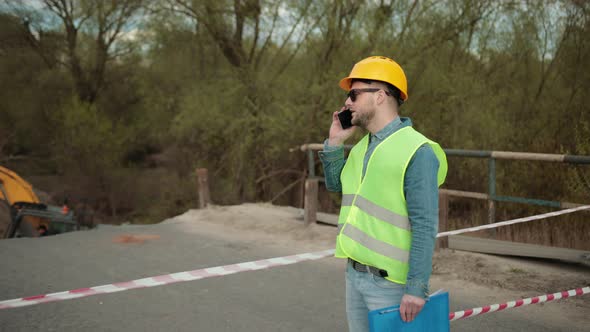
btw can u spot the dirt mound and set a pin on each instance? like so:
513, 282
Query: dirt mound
257, 222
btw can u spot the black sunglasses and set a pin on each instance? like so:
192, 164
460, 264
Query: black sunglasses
353, 93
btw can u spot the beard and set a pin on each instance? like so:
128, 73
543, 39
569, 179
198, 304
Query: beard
363, 119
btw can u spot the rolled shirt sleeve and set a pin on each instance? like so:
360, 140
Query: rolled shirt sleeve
332, 158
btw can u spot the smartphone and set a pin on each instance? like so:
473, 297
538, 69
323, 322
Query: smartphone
345, 118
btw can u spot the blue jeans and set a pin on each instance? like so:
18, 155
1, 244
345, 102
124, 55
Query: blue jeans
366, 292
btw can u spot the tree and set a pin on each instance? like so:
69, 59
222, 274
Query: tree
89, 32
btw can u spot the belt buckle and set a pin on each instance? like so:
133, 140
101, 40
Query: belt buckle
361, 267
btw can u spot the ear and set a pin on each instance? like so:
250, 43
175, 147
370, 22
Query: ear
381, 97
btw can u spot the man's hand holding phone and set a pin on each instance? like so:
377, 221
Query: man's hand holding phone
341, 128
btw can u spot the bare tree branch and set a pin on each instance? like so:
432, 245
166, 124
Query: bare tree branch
293, 28
545, 74
407, 21
36, 45
256, 34
268, 38
297, 47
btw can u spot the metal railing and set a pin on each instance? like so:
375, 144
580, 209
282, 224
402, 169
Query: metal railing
491, 196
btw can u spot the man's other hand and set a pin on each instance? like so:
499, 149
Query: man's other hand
410, 307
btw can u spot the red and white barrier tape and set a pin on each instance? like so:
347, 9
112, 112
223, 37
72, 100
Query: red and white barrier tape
166, 279
227, 269
513, 221
518, 303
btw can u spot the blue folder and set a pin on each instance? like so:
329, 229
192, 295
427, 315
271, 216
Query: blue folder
434, 317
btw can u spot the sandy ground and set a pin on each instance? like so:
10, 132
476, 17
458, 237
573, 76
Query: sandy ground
485, 279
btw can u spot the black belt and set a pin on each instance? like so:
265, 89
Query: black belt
366, 268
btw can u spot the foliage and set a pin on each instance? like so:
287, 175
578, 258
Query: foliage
85, 139
118, 87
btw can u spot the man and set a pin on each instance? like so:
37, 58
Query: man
389, 215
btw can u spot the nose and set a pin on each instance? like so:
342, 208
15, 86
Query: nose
348, 101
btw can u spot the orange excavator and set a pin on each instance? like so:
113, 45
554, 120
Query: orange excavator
28, 216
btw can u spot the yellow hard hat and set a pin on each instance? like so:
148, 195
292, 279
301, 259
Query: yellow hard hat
378, 68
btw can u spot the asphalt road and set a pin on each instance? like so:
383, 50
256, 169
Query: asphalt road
307, 296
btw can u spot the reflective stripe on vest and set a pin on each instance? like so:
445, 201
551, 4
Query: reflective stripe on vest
374, 228
377, 211
375, 245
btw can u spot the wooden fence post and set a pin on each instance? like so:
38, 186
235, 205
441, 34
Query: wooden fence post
443, 219
310, 206
203, 187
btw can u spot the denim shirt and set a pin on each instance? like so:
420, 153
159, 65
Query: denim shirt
421, 191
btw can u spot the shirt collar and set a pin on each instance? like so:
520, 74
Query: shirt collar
392, 127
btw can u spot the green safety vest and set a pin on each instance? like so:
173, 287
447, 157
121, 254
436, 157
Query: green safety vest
374, 225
